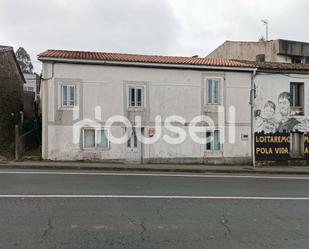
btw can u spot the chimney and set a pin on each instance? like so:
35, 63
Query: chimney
260, 57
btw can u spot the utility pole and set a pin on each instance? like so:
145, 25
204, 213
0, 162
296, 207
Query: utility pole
265, 22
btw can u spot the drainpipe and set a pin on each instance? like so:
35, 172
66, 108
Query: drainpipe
252, 103
44, 109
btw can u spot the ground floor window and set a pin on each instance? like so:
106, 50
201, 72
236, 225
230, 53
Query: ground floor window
213, 140
95, 138
296, 144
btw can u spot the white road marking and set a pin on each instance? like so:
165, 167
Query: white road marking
161, 197
155, 175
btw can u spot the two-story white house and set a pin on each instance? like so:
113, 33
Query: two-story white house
91, 100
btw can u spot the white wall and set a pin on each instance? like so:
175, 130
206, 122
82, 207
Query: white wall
268, 88
168, 92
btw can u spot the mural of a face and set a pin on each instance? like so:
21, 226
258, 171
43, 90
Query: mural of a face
269, 112
284, 104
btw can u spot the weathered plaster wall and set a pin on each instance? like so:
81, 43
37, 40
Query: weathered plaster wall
268, 88
249, 50
167, 92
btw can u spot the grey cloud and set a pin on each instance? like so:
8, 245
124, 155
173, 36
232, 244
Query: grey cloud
180, 27
117, 26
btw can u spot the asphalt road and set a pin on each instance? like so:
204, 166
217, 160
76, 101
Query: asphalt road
96, 210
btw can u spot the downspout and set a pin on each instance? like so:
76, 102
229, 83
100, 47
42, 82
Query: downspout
252, 103
44, 110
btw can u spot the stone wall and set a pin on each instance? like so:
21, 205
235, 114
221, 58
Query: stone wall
11, 100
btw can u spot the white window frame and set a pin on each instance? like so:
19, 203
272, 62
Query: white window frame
298, 110
300, 92
135, 106
212, 142
96, 130
68, 95
220, 80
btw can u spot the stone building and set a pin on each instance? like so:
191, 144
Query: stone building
279, 50
11, 97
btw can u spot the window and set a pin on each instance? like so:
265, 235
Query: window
95, 138
89, 138
68, 95
296, 59
29, 88
213, 140
135, 97
213, 91
102, 139
297, 98
297, 145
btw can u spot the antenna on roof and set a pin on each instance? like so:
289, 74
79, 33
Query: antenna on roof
265, 22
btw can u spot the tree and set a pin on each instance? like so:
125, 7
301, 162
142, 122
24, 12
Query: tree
262, 39
24, 60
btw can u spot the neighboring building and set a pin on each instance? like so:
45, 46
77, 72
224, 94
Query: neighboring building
31, 90
11, 97
281, 113
82, 90
32, 83
280, 50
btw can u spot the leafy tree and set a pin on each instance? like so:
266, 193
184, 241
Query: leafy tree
24, 60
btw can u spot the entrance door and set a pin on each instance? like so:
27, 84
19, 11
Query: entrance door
134, 147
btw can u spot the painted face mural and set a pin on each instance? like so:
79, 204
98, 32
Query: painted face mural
286, 123
266, 120
276, 119
284, 104
267, 123
269, 110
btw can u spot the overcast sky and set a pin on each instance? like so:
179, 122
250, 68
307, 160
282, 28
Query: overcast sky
167, 27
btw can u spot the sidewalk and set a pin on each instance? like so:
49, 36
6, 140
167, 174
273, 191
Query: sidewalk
154, 167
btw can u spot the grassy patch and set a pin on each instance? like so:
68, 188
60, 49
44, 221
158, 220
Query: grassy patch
32, 154
7, 155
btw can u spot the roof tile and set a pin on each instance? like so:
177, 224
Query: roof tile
278, 66
157, 59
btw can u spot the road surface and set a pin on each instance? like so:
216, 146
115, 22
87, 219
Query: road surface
77, 209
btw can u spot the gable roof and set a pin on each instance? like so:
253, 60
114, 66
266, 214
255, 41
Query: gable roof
4, 49
85, 56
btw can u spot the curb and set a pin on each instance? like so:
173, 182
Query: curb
154, 169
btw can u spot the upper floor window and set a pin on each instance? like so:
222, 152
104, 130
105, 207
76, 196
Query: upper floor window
68, 93
213, 140
136, 97
213, 91
297, 98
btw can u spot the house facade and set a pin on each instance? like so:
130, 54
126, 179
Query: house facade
281, 112
153, 104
